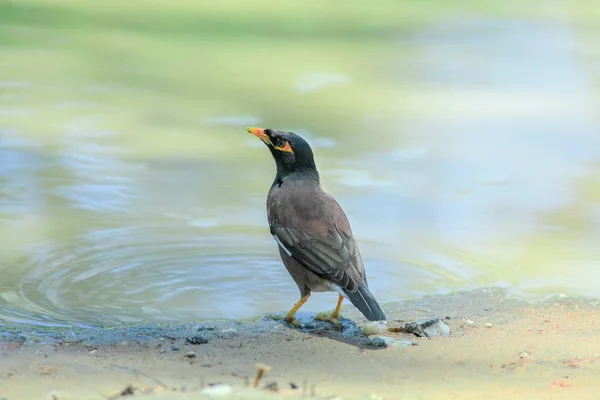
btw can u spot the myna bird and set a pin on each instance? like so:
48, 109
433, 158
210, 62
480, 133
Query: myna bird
312, 231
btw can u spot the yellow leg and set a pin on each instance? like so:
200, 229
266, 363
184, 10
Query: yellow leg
336, 313
289, 317
333, 317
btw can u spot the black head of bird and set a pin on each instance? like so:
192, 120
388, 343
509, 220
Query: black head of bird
312, 231
291, 152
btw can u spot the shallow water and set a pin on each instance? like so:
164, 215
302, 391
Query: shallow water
466, 153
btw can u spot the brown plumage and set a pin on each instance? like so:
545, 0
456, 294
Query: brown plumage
314, 236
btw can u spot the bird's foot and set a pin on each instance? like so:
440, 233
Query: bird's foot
293, 321
327, 317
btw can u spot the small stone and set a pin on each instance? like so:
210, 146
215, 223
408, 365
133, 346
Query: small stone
228, 333
384, 341
199, 339
217, 390
372, 328
488, 325
190, 354
93, 351
128, 391
429, 328
562, 382
174, 348
206, 328
469, 321
53, 395
271, 387
523, 354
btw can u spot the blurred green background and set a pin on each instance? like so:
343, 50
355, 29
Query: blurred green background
461, 137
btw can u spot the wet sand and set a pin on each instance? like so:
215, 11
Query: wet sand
498, 348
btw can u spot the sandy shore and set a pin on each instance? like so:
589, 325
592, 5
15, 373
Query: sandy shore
498, 348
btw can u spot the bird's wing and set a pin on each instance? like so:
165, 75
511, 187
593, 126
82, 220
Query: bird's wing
333, 256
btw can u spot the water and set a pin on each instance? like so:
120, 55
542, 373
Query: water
465, 152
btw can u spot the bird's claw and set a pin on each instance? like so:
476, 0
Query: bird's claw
294, 322
327, 317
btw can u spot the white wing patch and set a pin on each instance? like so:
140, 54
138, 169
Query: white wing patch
289, 253
339, 290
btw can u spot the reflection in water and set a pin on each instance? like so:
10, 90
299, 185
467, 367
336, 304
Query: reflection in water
489, 180
100, 181
523, 137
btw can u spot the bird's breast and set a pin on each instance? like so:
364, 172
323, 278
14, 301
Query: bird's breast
307, 208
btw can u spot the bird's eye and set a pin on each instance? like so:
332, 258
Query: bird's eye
283, 145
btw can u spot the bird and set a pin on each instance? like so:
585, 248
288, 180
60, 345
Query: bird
314, 237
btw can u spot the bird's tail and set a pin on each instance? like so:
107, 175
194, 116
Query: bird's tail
364, 300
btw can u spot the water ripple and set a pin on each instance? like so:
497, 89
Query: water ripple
123, 274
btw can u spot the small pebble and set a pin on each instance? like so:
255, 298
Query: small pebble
53, 395
199, 339
489, 325
468, 321
190, 354
228, 333
206, 328
174, 348
384, 341
128, 391
432, 327
93, 351
373, 328
271, 387
217, 390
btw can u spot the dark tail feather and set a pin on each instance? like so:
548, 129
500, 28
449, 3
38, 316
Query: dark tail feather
365, 302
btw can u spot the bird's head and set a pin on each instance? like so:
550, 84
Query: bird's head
291, 152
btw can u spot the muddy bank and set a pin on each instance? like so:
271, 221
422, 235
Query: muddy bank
497, 348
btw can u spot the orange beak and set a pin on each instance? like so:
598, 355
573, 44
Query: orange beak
260, 133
